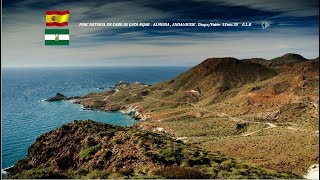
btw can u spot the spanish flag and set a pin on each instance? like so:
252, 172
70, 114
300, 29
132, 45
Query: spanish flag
57, 18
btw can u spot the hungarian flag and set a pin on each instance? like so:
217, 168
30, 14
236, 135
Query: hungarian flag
57, 18
56, 36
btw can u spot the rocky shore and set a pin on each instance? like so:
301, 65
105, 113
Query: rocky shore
60, 97
133, 111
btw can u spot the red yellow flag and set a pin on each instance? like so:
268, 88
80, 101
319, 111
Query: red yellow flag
57, 18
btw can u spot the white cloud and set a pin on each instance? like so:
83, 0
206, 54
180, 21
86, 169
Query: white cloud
191, 50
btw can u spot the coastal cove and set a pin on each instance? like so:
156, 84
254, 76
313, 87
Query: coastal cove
26, 116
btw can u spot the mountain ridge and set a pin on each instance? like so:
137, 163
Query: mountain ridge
289, 58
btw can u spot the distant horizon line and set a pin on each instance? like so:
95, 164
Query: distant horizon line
126, 66
35, 67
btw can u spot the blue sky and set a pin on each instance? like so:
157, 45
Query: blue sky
294, 28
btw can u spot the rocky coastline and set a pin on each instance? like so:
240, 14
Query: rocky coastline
134, 111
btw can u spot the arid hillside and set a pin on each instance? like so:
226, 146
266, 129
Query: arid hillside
264, 112
90, 150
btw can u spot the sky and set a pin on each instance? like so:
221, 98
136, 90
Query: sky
294, 28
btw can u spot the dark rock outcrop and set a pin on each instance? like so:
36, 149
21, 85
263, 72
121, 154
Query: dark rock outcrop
58, 97
120, 85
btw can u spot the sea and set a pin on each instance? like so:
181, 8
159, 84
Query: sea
25, 114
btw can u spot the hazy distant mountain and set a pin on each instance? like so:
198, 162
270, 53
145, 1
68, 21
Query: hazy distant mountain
288, 58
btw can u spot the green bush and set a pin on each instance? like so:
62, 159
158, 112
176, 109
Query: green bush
172, 155
199, 161
214, 164
154, 156
227, 165
185, 164
212, 171
97, 174
224, 174
127, 172
115, 176
89, 151
82, 172
201, 158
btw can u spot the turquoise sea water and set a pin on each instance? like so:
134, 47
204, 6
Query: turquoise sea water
25, 115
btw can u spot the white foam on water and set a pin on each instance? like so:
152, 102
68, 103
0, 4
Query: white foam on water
3, 171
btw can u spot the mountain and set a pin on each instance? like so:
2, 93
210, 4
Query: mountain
264, 114
88, 149
261, 61
223, 73
289, 58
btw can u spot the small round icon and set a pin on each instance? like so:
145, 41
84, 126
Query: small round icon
265, 24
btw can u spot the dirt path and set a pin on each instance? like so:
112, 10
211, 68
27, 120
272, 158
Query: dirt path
234, 119
269, 124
